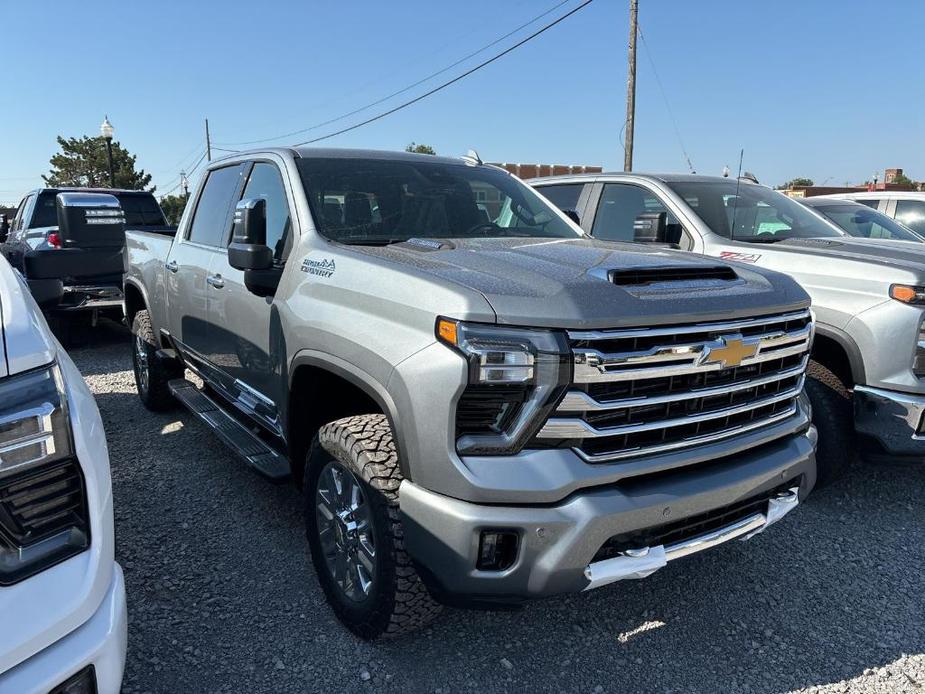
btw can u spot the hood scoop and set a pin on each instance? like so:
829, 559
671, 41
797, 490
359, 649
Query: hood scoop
638, 277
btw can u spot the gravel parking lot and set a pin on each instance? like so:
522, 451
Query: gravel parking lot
222, 597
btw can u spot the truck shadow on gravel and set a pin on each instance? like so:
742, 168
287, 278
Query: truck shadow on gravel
222, 596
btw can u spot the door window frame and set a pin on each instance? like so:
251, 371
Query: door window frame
185, 233
688, 235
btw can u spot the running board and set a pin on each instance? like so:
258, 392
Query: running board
235, 435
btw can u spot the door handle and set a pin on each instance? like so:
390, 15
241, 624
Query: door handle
172, 266
215, 281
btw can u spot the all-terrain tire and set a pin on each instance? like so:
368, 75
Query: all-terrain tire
834, 420
152, 374
398, 601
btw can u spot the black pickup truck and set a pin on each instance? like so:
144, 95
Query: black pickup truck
76, 269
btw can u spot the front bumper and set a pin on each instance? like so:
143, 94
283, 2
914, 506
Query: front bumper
558, 543
894, 419
100, 641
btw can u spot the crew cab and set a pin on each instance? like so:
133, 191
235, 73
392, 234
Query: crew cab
481, 406
72, 263
62, 595
868, 294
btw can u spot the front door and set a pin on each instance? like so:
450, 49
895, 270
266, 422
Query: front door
248, 348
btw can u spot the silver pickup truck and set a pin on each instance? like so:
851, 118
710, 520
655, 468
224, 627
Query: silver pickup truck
868, 294
481, 403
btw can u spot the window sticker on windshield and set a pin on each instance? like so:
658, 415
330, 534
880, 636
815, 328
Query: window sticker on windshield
740, 257
323, 267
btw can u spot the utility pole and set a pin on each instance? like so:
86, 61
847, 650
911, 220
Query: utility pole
631, 89
209, 141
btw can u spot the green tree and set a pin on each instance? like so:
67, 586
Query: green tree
798, 182
84, 162
903, 180
420, 149
173, 206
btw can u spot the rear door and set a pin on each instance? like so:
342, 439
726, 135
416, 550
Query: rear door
242, 342
188, 265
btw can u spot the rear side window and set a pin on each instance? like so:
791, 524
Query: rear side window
212, 218
564, 196
912, 214
45, 214
265, 182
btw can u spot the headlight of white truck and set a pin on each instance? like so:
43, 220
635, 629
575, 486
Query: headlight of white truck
44, 516
34, 424
516, 376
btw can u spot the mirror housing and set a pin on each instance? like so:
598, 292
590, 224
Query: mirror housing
651, 227
91, 220
572, 214
4, 228
248, 249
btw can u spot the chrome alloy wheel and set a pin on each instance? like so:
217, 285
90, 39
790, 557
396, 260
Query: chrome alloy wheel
345, 530
141, 363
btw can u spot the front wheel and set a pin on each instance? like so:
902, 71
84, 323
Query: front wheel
152, 374
834, 420
355, 531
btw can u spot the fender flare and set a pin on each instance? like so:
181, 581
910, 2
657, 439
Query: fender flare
135, 284
847, 343
362, 380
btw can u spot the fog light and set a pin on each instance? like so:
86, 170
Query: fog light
497, 550
84, 682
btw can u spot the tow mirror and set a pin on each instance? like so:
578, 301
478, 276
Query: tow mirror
248, 249
572, 214
4, 228
651, 227
90, 220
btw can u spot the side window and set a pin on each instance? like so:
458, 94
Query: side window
564, 196
618, 208
25, 214
17, 220
212, 218
869, 202
266, 182
912, 214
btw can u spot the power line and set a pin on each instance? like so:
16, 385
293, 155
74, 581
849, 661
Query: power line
661, 88
452, 81
410, 86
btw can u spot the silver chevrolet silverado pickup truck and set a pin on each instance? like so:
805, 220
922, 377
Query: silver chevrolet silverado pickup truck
868, 294
481, 403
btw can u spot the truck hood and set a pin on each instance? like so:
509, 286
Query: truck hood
25, 341
570, 283
908, 255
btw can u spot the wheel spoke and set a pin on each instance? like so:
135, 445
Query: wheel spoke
367, 556
361, 516
364, 579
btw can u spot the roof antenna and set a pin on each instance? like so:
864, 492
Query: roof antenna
473, 157
735, 201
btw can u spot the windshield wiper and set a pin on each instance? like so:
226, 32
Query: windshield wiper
371, 241
761, 239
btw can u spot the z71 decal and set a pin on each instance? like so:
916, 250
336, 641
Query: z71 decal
740, 257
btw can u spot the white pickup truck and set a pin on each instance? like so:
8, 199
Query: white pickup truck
62, 596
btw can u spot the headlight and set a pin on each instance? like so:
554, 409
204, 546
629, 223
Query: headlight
34, 425
516, 377
44, 517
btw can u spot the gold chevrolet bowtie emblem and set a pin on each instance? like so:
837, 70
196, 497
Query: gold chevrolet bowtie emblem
733, 352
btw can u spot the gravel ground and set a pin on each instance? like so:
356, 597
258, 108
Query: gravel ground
222, 597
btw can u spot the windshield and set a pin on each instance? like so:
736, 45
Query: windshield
383, 201
757, 215
861, 221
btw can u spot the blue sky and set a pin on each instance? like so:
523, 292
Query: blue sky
805, 88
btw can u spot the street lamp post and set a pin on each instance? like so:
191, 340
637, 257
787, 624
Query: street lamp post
106, 130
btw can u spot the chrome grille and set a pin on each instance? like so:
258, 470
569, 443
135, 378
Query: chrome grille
638, 392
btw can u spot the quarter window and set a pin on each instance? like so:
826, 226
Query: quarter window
912, 214
265, 182
212, 219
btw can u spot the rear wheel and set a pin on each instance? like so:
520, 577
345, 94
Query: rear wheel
834, 420
152, 374
355, 532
